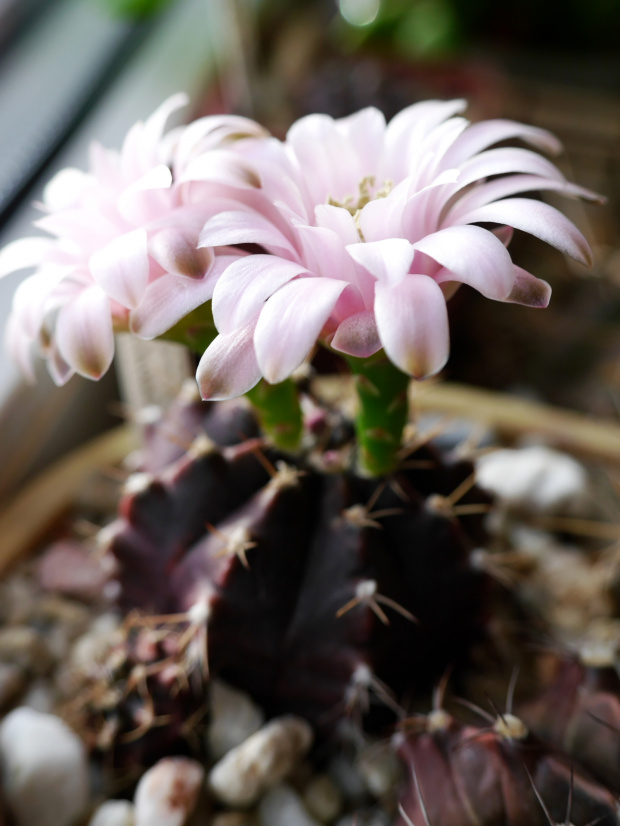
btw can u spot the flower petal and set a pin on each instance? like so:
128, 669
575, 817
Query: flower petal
511, 185
238, 227
389, 260
357, 336
486, 133
412, 320
476, 258
529, 290
243, 288
66, 187
25, 252
84, 333
170, 298
539, 219
121, 268
175, 249
222, 167
291, 322
229, 367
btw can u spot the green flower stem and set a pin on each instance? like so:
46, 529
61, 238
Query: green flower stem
196, 330
382, 414
279, 412
277, 405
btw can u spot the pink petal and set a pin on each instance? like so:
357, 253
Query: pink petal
223, 167
229, 228
244, 287
510, 185
339, 220
476, 258
25, 252
412, 320
389, 260
84, 333
145, 199
58, 368
66, 187
481, 135
529, 290
229, 367
175, 249
291, 322
170, 298
507, 160
122, 268
357, 335
156, 123
320, 145
539, 219
409, 128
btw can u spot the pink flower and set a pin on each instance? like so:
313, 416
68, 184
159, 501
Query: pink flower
124, 249
367, 229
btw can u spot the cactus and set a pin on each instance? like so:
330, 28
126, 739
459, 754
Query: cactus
464, 774
318, 563
311, 590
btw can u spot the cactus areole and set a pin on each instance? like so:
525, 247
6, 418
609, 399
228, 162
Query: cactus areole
321, 570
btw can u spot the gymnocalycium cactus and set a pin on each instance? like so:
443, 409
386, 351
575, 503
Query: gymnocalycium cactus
311, 567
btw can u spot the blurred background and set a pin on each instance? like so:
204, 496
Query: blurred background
75, 70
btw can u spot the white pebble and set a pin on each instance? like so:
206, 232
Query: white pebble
381, 770
281, 806
234, 717
92, 647
25, 647
41, 696
347, 778
264, 759
113, 813
167, 794
536, 479
44, 769
322, 798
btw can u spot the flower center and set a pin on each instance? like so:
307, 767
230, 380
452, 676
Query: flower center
364, 195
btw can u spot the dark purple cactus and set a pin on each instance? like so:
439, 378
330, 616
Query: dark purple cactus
314, 590
463, 775
579, 712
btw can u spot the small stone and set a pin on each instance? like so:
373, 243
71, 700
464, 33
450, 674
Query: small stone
113, 813
12, 682
25, 647
92, 647
233, 819
44, 769
18, 598
347, 778
322, 798
40, 696
66, 568
52, 608
535, 479
282, 806
234, 717
167, 794
381, 770
263, 760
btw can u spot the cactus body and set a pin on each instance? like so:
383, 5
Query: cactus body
316, 592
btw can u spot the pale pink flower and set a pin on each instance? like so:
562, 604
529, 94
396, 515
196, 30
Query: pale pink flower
124, 249
367, 229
